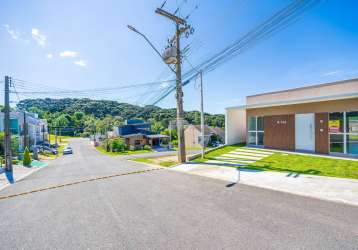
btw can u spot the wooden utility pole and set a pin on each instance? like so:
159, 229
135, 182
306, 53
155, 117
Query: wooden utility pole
25, 128
7, 144
202, 118
181, 27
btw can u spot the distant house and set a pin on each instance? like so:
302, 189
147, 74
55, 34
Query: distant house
192, 135
37, 131
138, 133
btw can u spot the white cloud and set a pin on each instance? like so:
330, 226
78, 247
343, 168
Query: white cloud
68, 53
49, 55
163, 85
13, 33
332, 73
81, 63
39, 37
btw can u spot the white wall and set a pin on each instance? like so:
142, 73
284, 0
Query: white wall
235, 125
342, 88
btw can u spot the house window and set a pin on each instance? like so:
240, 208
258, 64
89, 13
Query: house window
137, 142
343, 132
255, 134
352, 132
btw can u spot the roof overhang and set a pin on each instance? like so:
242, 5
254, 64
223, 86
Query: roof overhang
303, 101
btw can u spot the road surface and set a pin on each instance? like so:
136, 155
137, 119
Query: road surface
162, 209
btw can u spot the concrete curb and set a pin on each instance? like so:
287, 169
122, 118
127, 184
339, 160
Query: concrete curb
22, 177
300, 193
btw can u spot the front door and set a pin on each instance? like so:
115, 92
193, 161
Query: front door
304, 132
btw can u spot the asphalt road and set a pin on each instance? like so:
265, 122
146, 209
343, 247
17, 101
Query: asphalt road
162, 209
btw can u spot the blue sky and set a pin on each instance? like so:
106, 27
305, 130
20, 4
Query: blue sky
86, 44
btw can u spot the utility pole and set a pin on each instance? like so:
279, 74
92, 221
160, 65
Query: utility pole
26, 144
56, 136
202, 118
181, 27
8, 158
43, 133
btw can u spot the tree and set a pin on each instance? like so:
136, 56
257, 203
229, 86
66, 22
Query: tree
172, 133
157, 127
27, 158
14, 144
78, 116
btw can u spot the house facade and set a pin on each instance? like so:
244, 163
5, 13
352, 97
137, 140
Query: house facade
320, 118
37, 129
192, 134
138, 133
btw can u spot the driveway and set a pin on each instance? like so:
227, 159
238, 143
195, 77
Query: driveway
161, 210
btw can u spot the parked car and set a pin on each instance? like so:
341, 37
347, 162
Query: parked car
49, 150
216, 144
67, 151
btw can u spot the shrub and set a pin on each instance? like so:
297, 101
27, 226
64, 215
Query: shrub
27, 158
175, 143
118, 145
147, 147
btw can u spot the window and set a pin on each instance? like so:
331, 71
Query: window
352, 122
251, 138
255, 135
335, 124
352, 144
343, 132
336, 143
252, 123
260, 123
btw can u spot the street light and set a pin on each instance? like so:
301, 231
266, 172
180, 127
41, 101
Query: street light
151, 45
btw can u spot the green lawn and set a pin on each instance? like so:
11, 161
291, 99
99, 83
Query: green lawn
167, 163
129, 152
218, 152
302, 164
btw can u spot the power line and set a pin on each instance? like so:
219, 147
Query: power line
272, 25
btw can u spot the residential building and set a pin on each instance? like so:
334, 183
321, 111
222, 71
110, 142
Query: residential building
320, 118
138, 133
192, 134
37, 129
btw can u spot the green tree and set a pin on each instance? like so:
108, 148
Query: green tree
27, 157
157, 127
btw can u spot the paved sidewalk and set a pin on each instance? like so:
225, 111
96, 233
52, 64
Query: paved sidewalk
19, 173
326, 188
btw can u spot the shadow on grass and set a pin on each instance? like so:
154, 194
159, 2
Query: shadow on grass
268, 165
242, 167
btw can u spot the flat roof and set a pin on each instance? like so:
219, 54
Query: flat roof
131, 135
306, 87
157, 136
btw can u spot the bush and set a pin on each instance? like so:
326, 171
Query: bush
27, 158
118, 145
175, 143
147, 147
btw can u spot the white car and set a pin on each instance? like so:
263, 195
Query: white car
67, 151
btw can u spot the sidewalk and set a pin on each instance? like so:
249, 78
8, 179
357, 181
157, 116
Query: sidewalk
321, 187
19, 173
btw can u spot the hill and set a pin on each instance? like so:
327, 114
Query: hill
51, 109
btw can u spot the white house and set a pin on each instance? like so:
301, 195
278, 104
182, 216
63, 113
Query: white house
37, 129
